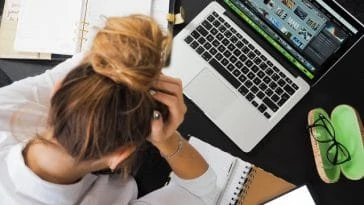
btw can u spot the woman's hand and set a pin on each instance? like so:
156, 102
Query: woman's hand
167, 90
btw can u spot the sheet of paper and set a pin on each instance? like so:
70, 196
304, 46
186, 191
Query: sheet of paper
9, 23
159, 12
49, 26
299, 196
97, 11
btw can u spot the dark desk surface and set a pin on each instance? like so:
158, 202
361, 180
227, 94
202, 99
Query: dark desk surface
286, 150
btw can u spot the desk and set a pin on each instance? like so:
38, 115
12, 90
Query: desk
286, 150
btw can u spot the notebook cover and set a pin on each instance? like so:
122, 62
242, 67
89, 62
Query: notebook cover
262, 186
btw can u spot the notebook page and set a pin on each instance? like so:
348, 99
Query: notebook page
221, 162
97, 11
9, 23
48, 26
159, 12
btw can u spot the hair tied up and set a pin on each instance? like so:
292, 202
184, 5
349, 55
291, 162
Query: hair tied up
130, 50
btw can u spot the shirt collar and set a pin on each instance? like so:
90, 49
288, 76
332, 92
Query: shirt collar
27, 183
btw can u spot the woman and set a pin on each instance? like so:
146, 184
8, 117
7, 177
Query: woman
107, 104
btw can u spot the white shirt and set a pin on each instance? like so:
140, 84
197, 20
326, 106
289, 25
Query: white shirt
23, 110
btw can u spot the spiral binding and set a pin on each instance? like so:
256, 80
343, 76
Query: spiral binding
243, 185
82, 30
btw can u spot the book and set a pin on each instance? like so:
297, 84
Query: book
240, 182
8, 27
67, 27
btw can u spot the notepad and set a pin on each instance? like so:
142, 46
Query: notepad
240, 182
68, 26
9, 22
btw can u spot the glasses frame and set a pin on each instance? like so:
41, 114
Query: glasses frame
326, 124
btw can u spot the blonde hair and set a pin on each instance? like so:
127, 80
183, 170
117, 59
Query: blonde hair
130, 50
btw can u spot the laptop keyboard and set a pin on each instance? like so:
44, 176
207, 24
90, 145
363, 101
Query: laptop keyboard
240, 63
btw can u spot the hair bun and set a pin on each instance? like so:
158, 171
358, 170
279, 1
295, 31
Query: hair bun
130, 50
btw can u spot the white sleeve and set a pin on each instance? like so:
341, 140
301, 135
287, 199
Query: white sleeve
33, 92
199, 191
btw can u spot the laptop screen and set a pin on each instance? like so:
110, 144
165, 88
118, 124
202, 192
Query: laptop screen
308, 33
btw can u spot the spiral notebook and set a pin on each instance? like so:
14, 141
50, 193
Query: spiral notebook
241, 182
69, 26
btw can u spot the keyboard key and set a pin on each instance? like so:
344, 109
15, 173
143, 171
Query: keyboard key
237, 52
254, 103
216, 23
207, 45
233, 39
281, 82
262, 108
210, 38
248, 83
227, 33
207, 25
215, 43
245, 50
270, 64
251, 75
239, 44
260, 95
270, 104
220, 68
233, 59
236, 73
243, 90
251, 55
225, 41
269, 71
215, 14
250, 96
213, 51
254, 89
239, 64
188, 39
245, 69
266, 79
200, 50
260, 74
194, 44
230, 67
251, 46
274, 98
227, 54
257, 81
267, 115
263, 86
273, 85
255, 68
224, 62
222, 29
202, 30
257, 52
268, 92
219, 56
263, 66
201, 40
231, 47
249, 63
279, 91
244, 40
206, 56
243, 58
195, 34
283, 99
295, 86
275, 76
289, 89
219, 36
221, 48
257, 60
242, 78
210, 18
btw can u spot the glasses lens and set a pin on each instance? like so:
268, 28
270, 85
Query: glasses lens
322, 129
338, 154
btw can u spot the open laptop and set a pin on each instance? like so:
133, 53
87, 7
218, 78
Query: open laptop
246, 63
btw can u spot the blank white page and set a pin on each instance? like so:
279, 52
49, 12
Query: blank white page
48, 26
97, 10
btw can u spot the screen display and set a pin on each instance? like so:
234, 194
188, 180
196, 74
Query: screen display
305, 32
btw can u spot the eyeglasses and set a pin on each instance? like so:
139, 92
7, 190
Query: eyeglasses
336, 153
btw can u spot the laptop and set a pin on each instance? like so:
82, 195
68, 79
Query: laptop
247, 63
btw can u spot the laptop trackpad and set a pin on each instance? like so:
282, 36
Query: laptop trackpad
210, 93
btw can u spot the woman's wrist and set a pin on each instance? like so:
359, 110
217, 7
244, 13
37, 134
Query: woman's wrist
171, 146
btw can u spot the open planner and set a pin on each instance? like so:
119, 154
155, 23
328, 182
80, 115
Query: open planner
69, 26
241, 182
